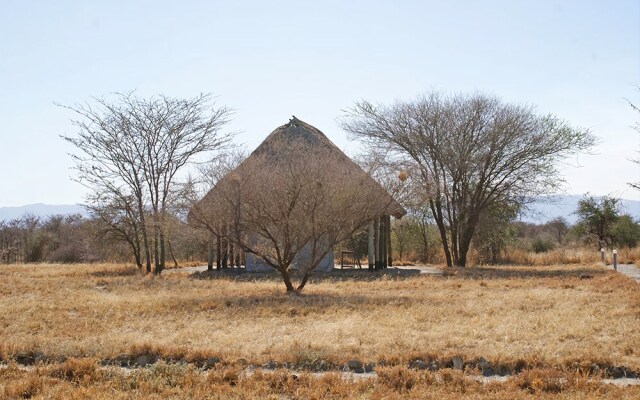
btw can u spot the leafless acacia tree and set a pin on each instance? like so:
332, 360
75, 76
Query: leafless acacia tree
469, 153
289, 200
133, 148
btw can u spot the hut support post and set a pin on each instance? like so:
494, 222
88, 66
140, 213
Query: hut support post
371, 255
380, 257
218, 255
383, 241
389, 255
210, 254
231, 255
376, 243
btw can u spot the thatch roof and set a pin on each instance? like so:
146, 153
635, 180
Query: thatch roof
298, 130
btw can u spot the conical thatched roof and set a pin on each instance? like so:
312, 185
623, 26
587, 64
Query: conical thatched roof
297, 130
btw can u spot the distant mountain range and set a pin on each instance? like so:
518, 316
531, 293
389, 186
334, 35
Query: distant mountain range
541, 211
41, 210
548, 208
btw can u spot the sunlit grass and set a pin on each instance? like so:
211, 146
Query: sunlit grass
558, 317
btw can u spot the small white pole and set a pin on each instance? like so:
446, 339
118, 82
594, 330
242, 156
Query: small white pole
602, 255
615, 260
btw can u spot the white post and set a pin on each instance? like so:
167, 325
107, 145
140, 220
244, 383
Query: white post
615, 260
602, 255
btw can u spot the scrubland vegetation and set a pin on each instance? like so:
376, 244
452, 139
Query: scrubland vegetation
555, 329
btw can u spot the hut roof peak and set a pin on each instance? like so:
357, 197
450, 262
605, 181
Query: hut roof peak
308, 135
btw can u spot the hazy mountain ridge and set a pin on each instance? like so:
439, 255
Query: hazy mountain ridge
548, 208
540, 212
41, 210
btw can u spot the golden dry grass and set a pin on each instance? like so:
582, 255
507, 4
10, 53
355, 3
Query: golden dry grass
515, 317
563, 256
82, 379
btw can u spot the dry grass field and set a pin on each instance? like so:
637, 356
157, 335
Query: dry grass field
556, 329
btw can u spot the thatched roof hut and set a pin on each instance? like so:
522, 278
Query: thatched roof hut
313, 141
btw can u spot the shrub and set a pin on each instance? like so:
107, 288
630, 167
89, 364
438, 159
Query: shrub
542, 245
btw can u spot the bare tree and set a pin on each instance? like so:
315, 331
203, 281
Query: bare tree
136, 147
288, 200
118, 219
469, 153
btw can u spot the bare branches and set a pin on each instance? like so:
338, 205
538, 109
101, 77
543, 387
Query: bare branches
469, 153
132, 149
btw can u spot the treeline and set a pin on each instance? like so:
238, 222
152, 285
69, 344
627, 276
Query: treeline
78, 239
601, 224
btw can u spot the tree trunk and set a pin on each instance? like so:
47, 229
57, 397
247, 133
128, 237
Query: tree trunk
287, 279
162, 252
156, 249
437, 215
304, 280
136, 254
465, 239
173, 256
209, 255
145, 236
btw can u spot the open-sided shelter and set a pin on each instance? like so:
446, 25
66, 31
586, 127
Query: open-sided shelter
313, 143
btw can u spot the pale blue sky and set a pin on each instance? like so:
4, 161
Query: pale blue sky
269, 60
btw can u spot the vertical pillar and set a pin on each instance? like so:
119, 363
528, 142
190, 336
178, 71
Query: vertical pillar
380, 244
232, 258
371, 255
376, 243
210, 254
383, 241
389, 255
218, 255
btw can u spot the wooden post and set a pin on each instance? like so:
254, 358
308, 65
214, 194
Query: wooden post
218, 255
371, 255
389, 257
383, 239
210, 254
380, 244
376, 243
231, 255
602, 255
615, 260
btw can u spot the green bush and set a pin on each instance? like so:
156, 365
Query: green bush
542, 245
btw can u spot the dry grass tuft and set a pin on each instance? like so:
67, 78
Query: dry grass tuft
231, 382
79, 371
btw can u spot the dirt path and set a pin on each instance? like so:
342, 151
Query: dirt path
629, 270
